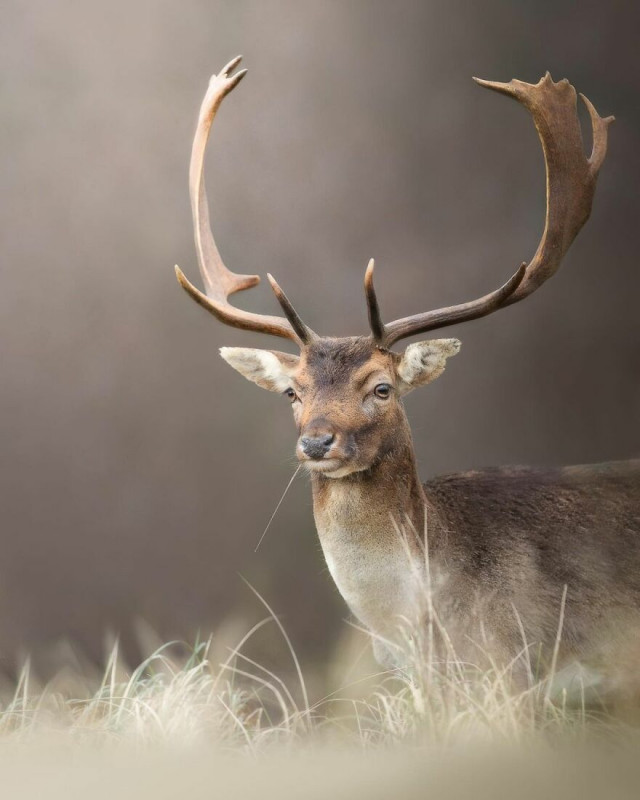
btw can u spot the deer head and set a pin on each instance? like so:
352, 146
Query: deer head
346, 393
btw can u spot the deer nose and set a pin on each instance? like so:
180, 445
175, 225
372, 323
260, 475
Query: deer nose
316, 446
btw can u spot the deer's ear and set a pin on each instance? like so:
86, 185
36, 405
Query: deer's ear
423, 362
268, 368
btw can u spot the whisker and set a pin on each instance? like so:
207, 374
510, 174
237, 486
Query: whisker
277, 507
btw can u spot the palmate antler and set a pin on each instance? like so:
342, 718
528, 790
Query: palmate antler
220, 282
571, 183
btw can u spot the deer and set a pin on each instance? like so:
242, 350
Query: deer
513, 545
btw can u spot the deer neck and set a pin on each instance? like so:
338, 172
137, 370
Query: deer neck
360, 521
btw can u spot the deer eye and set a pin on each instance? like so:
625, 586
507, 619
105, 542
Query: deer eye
382, 390
290, 393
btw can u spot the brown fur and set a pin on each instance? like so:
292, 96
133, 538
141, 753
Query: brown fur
502, 543
518, 536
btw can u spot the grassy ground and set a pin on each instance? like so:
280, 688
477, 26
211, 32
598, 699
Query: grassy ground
190, 694
187, 722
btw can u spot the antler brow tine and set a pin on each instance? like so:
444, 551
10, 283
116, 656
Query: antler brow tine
303, 332
219, 282
373, 309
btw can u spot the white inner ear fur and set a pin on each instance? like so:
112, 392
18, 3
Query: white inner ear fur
269, 369
423, 362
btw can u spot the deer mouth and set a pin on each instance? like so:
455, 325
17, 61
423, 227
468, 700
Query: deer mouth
322, 464
332, 467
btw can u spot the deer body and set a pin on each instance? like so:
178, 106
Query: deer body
501, 543
518, 536
497, 549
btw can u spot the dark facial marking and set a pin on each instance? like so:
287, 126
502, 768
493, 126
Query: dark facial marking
331, 362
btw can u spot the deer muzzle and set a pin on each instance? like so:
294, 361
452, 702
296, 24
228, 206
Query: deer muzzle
317, 446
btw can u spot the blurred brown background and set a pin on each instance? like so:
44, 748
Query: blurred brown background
138, 471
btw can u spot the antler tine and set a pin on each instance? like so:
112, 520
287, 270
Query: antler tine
571, 182
303, 332
373, 309
220, 282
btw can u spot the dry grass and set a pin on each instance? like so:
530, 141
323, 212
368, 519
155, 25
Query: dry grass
186, 722
238, 705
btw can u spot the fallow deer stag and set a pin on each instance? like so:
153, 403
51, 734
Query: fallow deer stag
502, 543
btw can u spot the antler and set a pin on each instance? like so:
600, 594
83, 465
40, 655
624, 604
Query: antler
571, 183
220, 282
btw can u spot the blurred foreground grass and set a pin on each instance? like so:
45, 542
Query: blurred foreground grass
187, 722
